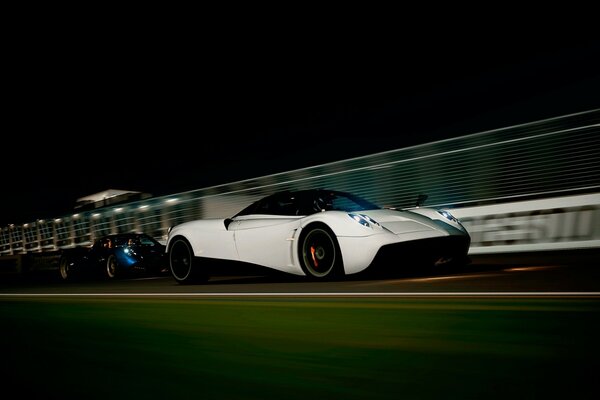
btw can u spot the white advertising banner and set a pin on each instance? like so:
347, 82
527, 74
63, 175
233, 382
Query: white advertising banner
569, 222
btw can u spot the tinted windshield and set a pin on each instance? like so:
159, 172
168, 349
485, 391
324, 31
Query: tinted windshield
147, 241
306, 202
342, 201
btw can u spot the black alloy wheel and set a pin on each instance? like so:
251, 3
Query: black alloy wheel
320, 257
183, 264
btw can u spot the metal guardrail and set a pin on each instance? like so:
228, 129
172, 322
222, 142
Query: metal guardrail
554, 157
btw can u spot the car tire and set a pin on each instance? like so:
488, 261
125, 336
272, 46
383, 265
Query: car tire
319, 253
64, 272
111, 267
184, 267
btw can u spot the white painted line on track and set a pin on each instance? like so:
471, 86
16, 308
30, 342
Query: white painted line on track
317, 294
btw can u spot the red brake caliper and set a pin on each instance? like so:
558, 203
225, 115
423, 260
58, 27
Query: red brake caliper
312, 253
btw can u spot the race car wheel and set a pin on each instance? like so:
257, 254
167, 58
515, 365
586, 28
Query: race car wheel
320, 257
184, 266
111, 267
63, 269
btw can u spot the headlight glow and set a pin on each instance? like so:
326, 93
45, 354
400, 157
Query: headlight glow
447, 215
363, 219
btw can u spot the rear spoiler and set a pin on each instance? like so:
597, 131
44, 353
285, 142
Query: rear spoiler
421, 200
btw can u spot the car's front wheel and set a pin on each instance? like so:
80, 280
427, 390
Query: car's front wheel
319, 253
183, 265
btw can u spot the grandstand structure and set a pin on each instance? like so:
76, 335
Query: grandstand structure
542, 159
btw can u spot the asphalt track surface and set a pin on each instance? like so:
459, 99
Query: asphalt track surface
502, 327
574, 273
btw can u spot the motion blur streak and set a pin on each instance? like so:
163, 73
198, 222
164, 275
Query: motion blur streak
346, 294
519, 269
444, 278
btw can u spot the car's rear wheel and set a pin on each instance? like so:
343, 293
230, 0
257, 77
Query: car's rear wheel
64, 266
111, 268
184, 266
319, 253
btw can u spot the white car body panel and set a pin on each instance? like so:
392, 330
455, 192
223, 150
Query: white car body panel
208, 238
266, 240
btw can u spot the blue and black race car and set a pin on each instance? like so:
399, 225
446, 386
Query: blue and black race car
114, 255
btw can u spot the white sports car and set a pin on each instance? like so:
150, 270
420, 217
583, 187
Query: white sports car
320, 234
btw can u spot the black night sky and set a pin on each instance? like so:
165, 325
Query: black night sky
163, 119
